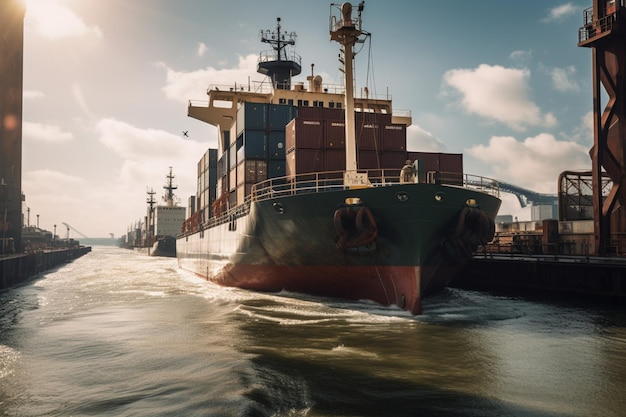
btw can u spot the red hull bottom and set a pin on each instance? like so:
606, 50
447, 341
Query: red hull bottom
387, 285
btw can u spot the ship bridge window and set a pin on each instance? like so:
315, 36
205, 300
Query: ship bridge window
290, 102
331, 104
282, 101
318, 103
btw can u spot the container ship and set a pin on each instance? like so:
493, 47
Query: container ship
156, 234
312, 189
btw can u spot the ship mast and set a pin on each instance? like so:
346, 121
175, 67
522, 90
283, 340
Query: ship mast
150, 220
280, 64
346, 31
169, 188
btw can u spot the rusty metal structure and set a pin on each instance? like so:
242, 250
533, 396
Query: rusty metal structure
604, 31
11, 76
576, 195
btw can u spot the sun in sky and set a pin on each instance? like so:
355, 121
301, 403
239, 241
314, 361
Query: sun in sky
54, 20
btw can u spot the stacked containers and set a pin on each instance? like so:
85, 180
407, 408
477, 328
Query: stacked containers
450, 165
319, 145
206, 189
259, 147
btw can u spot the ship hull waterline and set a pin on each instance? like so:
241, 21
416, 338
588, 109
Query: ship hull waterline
291, 243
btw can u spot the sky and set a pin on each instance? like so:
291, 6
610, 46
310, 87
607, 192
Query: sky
107, 84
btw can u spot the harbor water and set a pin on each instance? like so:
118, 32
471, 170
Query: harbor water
118, 333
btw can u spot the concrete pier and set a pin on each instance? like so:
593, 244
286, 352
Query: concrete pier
15, 269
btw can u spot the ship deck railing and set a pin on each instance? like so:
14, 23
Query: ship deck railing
333, 181
266, 87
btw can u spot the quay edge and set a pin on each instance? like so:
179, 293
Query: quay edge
565, 276
19, 268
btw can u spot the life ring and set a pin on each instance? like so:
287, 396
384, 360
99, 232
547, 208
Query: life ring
355, 227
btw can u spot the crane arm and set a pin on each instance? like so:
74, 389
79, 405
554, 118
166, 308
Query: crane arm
70, 227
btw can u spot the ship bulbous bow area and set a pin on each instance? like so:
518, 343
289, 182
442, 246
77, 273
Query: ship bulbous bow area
473, 228
355, 227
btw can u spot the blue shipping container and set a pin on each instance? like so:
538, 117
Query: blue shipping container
279, 115
251, 116
276, 169
254, 144
276, 148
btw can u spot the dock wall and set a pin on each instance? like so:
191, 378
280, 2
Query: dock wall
15, 269
598, 277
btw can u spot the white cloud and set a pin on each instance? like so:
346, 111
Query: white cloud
562, 79
534, 163
521, 55
202, 49
184, 86
421, 140
133, 143
120, 198
55, 21
498, 93
45, 132
561, 12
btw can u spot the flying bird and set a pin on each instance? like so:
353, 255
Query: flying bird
185, 133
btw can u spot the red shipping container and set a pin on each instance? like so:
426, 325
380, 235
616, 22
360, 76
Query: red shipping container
370, 117
368, 160
334, 160
393, 137
334, 134
304, 134
301, 161
368, 136
333, 114
393, 160
311, 113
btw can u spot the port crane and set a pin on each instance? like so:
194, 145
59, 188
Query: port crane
70, 227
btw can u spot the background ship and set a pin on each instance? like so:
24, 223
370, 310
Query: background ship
308, 190
156, 234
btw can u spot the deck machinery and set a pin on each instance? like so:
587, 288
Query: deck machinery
604, 31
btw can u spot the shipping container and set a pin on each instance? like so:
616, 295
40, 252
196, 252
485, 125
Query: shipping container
279, 115
310, 113
437, 161
334, 134
222, 165
301, 161
393, 137
368, 136
232, 156
276, 145
251, 116
371, 117
232, 177
251, 144
393, 160
253, 171
243, 191
191, 206
225, 139
336, 114
368, 160
276, 168
241, 172
334, 160
304, 134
